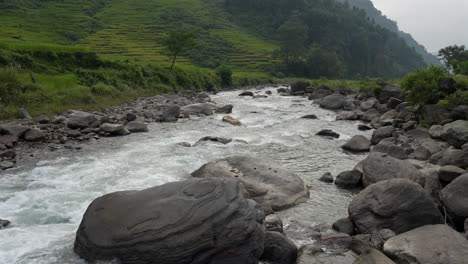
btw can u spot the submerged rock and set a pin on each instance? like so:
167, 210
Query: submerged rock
328, 133
265, 181
213, 140
212, 223
246, 93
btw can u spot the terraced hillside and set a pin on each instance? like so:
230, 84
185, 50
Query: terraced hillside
133, 29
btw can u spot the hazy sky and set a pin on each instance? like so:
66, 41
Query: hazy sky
433, 23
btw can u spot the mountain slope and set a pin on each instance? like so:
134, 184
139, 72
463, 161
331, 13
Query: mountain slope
391, 25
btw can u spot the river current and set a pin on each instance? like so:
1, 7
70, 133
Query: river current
45, 203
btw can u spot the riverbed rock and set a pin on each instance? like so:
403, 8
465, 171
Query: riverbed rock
389, 91
450, 173
380, 166
312, 254
211, 139
455, 157
279, 249
231, 120
397, 204
4, 223
5, 165
216, 222
434, 114
373, 256
369, 115
326, 177
299, 87
265, 181
348, 115
312, 116
14, 130
390, 149
455, 196
430, 244
456, 133
137, 127
227, 109
357, 143
170, 114
198, 109
42, 119
114, 129
8, 141
320, 92
24, 114
78, 123
9, 154
328, 133
368, 104
274, 223
344, 225
246, 93
333, 102
382, 133
349, 179
34, 135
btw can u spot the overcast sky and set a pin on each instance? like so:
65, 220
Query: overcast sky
433, 23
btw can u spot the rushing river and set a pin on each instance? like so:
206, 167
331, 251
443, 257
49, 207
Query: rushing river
45, 203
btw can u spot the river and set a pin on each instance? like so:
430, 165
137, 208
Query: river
45, 203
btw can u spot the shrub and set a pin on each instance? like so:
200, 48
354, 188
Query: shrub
10, 85
102, 89
225, 74
422, 85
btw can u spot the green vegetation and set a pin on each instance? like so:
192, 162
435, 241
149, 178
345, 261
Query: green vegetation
178, 42
455, 59
422, 85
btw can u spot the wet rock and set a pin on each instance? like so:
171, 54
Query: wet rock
8, 141
5, 165
42, 119
265, 181
310, 117
34, 135
455, 196
9, 153
231, 120
227, 109
327, 177
274, 223
217, 223
14, 130
246, 93
333, 102
171, 114
328, 133
450, 173
335, 242
279, 249
357, 143
379, 167
389, 91
198, 109
363, 127
23, 113
344, 225
349, 179
213, 140
397, 204
455, 157
369, 115
320, 92
430, 244
281, 90
382, 133
114, 129
373, 256
4, 223
203, 98
185, 144
267, 92
299, 87
347, 116
391, 150
259, 96
136, 127
311, 254
456, 133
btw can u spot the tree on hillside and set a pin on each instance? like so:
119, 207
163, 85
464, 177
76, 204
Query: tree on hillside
452, 56
178, 42
292, 36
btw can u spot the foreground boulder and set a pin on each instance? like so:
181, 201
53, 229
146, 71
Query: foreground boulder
357, 143
399, 205
195, 221
430, 244
456, 133
455, 196
279, 249
349, 179
380, 166
266, 182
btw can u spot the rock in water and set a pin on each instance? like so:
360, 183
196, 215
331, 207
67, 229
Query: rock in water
246, 93
333, 102
195, 221
136, 127
231, 120
279, 249
373, 256
328, 133
266, 182
431, 244
399, 205
198, 109
227, 109
214, 140
357, 143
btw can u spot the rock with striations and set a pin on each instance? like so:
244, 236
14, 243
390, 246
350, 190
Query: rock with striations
380, 167
390, 149
455, 196
399, 205
373, 256
34, 135
349, 179
357, 143
456, 133
382, 133
136, 127
265, 181
279, 249
198, 109
333, 102
227, 109
430, 244
212, 223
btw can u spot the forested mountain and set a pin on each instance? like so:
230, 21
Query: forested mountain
303, 38
391, 25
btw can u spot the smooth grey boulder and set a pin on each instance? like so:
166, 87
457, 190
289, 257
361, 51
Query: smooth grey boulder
170, 114
373, 256
34, 135
344, 225
198, 109
196, 221
455, 157
398, 204
369, 115
455, 196
382, 133
349, 179
114, 129
17, 131
380, 166
456, 133
279, 249
136, 127
357, 143
333, 102
368, 104
390, 149
430, 244
326, 177
449, 173
227, 109
265, 181
389, 91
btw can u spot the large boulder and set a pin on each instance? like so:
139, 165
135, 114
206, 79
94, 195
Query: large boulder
399, 205
349, 179
389, 91
320, 92
357, 143
380, 166
17, 131
79, 119
171, 114
265, 181
279, 249
333, 102
114, 129
455, 157
456, 133
430, 244
194, 221
382, 133
34, 135
390, 149
369, 115
136, 127
447, 85
298, 87
198, 109
455, 196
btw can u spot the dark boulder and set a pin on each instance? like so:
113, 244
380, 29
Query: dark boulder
326, 177
279, 249
320, 92
460, 112
198, 109
349, 179
212, 223
389, 91
34, 135
455, 157
357, 143
449, 173
274, 223
246, 93
227, 109
328, 133
390, 149
9, 154
211, 139
171, 114
434, 114
265, 181
136, 127
4, 223
344, 225
309, 117
398, 204
455, 196
369, 115
333, 102
382, 133
299, 87
42, 119
363, 127
393, 103
14, 130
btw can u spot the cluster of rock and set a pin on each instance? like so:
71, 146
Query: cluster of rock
74, 127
